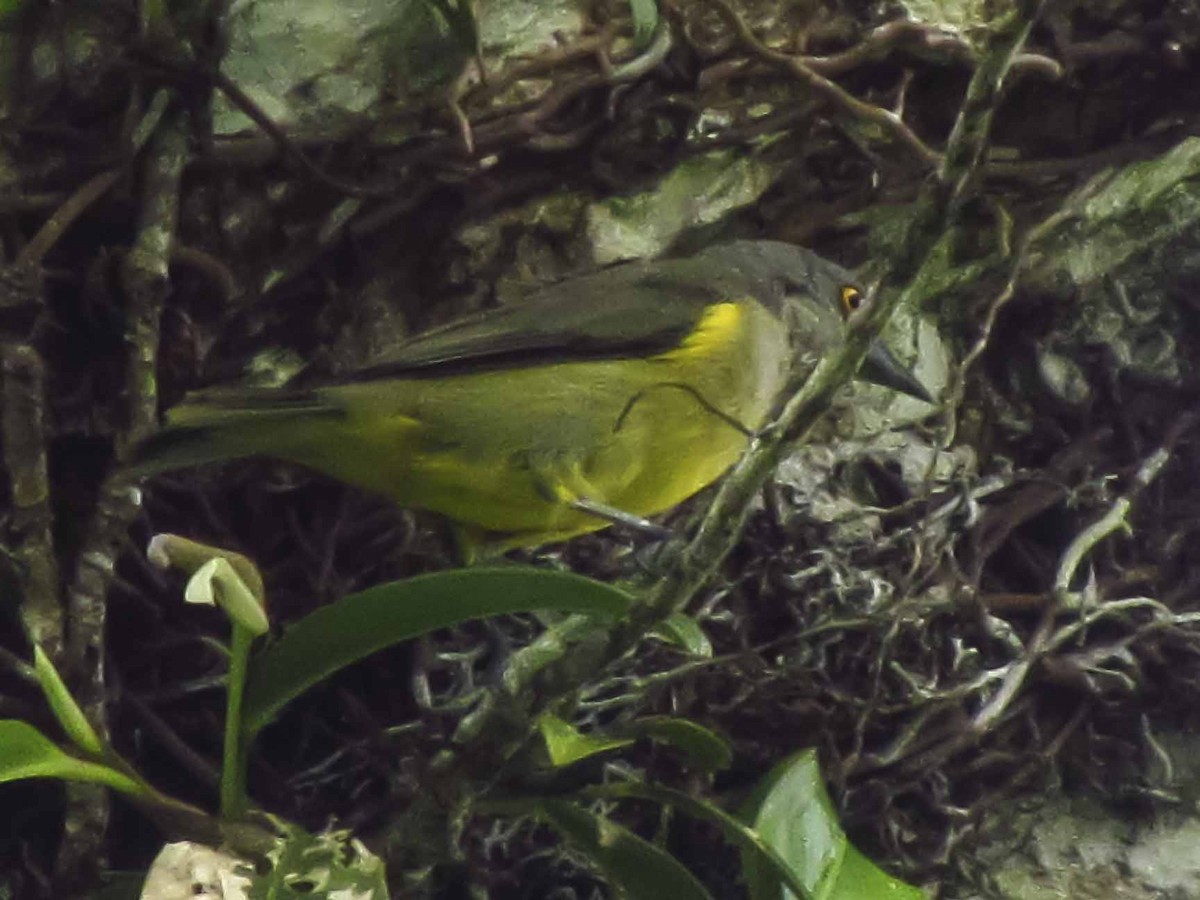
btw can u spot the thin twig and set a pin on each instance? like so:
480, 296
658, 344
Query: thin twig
1117, 515
246, 105
942, 44
831, 91
75, 206
967, 145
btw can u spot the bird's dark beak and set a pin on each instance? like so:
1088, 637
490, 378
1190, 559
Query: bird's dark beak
880, 367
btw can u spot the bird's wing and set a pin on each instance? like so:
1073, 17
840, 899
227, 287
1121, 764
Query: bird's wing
633, 310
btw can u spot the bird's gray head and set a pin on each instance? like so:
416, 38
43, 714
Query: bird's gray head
813, 297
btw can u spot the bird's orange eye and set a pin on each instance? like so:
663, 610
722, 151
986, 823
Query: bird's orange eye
852, 298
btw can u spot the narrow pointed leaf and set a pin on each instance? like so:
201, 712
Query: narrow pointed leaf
359, 625
736, 832
65, 709
637, 868
566, 744
27, 753
705, 749
684, 631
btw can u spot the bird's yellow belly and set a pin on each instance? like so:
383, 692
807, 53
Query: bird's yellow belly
505, 453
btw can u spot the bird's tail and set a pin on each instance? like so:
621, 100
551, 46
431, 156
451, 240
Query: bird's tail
222, 424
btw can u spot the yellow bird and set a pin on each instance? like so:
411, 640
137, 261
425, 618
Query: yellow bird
606, 397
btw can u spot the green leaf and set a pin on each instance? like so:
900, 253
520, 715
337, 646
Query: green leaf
328, 865
861, 879
357, 626
65, 709
639, 869
27, 753
792, 812
686, 632
735, 832
645, 19
567, 744
706, 749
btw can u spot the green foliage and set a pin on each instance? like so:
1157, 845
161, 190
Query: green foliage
27, 753
704, 749
327, 865
789, 837
336, 636
233, 583
63, 705
748, 841
567, 745
639, 869
792, 813
683, 631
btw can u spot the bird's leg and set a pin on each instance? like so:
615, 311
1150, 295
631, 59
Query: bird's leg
620, 517
574, 491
